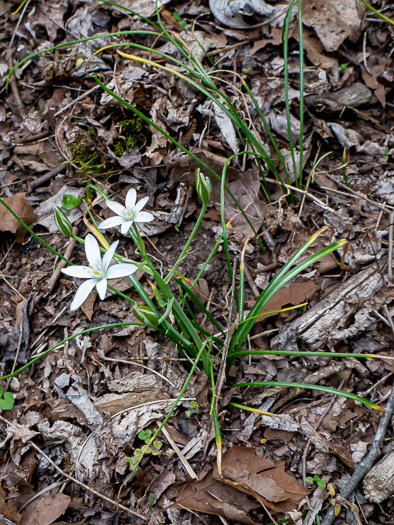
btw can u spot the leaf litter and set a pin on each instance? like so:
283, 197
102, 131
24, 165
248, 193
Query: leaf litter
86, 403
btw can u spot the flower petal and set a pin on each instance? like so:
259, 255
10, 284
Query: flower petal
92, 251
82, 293
144, 216
125, 227
108, 256
102, 288
140, 204
121, 270
116, 207
83, 272
131, 198
111, 222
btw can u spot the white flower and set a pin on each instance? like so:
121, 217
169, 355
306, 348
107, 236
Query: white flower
98, 271
128, 214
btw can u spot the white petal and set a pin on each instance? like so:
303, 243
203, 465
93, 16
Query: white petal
140, 204
82, 293
125, 227
111, 222
121, 270
116, 207
144, 216
92, 251
109, 254
131, 197
83, 272
102, 288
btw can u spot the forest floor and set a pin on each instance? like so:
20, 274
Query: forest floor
90, 403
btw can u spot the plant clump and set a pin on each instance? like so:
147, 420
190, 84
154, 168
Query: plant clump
133, 132
87, 157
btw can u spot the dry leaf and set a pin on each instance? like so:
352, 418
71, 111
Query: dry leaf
8, 510
22, 208
46, 510
244, 473
296, 293
333, 20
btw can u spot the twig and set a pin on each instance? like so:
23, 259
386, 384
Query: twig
70, 478
48, 176
78, 99
366, 464
56, 274
185, 462
14, 86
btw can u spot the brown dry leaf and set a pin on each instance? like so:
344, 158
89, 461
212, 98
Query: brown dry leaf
46, 510
314, 48
22, 208
262, 478
214, 497
296, 293
244, 473
8, 510
333, 20
246, 189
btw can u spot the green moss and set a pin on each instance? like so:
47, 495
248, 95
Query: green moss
86, 156
133, 132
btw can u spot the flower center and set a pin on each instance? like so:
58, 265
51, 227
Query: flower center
98, 273
129, 214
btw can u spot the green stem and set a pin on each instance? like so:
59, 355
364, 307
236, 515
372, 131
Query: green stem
189, 241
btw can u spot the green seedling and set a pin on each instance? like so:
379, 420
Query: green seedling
70, 201
86, 157
193, 409
149, 448
177, 17
316, 479
6, 400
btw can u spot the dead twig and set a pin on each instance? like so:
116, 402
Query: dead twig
366, 464
74, 480
178, 451
47, 177
14, 86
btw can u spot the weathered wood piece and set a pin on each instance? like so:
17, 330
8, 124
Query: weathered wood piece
352, 96
328, 321
379, 482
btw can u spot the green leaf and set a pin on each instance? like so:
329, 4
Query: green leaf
309, 479
145, 435
321, 483
157, 444
70, 201
6, 400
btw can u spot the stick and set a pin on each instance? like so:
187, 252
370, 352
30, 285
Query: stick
14, 86
48, 176
366, 464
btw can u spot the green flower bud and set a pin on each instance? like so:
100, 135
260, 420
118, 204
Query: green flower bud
62, 222
146, 316
203, 187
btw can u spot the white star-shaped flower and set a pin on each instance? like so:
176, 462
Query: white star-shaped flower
98, 272
127, 215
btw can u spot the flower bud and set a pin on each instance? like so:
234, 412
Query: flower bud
146, 316
62, 222
203, 187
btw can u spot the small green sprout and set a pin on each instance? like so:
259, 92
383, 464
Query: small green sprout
149, 448
177, 17
317, 480
193, 409
203, 187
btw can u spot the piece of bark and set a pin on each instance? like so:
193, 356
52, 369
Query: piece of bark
379, 482
328, 321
